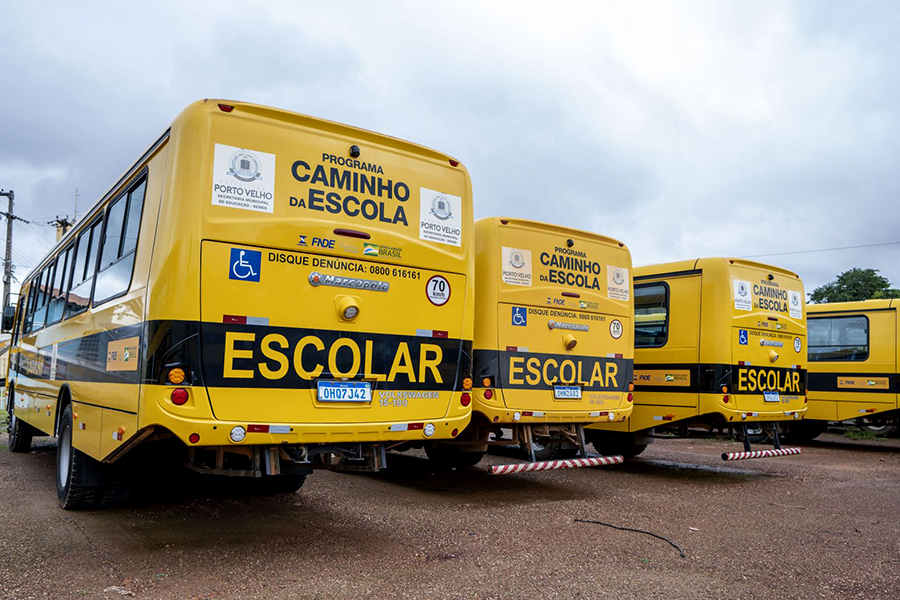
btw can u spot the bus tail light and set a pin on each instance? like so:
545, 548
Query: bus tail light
487, 382
630, 397
467, 383
488, 394
176, 376
194, 438
179, 396
453, 163
725, 399
465, 399
631, 387
237, 434
226, 108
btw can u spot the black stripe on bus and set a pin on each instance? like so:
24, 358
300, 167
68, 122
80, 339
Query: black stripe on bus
828, 382
709, 378
499, 366
199, 348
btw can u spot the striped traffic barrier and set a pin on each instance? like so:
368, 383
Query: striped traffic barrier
759, 454
548, 465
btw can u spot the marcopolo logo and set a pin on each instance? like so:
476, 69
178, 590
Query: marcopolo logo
245, 264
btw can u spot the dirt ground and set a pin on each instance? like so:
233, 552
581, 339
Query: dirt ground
824, 524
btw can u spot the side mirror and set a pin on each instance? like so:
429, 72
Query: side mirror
9, 318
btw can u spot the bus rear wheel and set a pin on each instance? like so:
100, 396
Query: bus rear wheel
880, 426
614, 443
20, 433
73, 470
449, 456
801, 432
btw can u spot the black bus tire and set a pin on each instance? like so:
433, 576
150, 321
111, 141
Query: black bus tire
449, 456
20, 433
73, 470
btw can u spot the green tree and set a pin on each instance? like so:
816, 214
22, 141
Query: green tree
855, 284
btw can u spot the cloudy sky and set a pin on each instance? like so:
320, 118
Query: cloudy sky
683, 129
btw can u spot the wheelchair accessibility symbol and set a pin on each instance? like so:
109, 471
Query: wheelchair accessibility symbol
519, 316
245, 264
743, 338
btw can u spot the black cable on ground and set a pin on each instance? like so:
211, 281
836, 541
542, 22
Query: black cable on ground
670, 542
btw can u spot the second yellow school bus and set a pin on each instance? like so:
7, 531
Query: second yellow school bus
853, 364
719, 343
264, 290
553, 338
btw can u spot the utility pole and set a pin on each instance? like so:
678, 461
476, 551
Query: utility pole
63, 224
7, 260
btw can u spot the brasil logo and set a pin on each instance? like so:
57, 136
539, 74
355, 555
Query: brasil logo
370, 249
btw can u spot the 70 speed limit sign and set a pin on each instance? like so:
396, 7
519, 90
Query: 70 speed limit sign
615, 329
438, 290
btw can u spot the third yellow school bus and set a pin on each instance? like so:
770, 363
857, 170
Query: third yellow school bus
719, 343
264, 290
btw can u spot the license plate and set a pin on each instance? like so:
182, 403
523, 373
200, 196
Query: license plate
771, 397
567, 392
344, 391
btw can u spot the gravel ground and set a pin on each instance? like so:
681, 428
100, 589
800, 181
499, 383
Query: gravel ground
824, 524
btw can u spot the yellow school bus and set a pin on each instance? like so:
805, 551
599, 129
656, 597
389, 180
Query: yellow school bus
553, 339
853, 365
720, 343
267, 290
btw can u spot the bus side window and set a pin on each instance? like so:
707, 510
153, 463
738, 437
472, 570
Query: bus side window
651, 315
24, 320
82, 278
29, 305
58, 289
43, 296
119, 244
838, 338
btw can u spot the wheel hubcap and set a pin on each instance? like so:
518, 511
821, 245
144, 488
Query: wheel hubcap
63, 454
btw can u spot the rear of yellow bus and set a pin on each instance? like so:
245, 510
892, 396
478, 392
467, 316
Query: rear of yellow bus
765, 382
313, 305
553, 335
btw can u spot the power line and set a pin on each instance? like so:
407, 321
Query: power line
822, 250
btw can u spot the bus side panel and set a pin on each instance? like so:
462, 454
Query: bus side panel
848, 389
666, 376
33, 389
116, 427
87, 428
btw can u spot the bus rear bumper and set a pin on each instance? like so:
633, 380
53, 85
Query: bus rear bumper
507, 416
211, 432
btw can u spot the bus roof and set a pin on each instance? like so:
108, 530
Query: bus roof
558, 229
685, 267
859, 305
250, 109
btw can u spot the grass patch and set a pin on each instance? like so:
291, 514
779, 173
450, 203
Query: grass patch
859, 434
